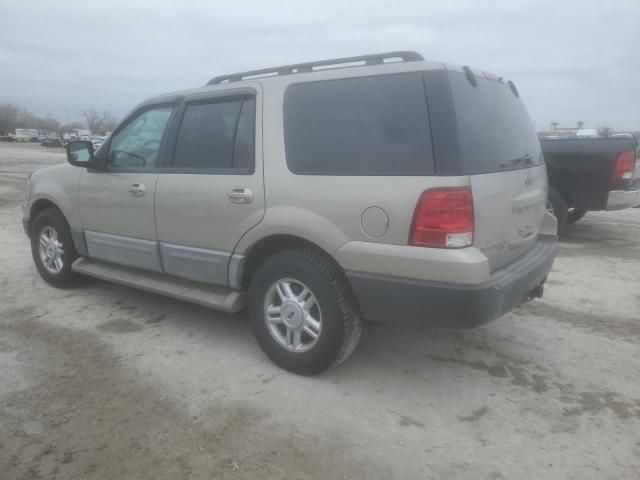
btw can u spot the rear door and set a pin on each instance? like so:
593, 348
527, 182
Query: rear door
500, 152
211, 190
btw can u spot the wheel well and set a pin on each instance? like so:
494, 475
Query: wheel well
271, 245
39, 206
565, 192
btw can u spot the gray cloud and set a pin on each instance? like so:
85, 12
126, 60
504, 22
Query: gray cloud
572, 60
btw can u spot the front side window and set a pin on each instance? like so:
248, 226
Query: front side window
217, 135
358, 126
136, 145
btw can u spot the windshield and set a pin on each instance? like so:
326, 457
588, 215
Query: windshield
494, 128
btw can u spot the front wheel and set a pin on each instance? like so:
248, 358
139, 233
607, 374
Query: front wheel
52, 249
302, 311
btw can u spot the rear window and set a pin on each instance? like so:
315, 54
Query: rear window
494, 128
361, 126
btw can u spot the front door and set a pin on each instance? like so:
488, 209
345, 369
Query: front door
211, 191
117, 203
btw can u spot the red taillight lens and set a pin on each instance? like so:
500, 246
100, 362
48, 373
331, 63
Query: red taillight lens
625, 165
443, 219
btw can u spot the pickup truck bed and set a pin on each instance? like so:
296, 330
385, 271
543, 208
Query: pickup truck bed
591, 174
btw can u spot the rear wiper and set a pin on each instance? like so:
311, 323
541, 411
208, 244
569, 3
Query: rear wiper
526, 159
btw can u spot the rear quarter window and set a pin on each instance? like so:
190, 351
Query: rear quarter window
494, 129
358, 126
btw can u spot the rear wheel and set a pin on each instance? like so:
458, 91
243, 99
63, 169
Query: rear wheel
52, 249
302, 311
575, 215
558, 207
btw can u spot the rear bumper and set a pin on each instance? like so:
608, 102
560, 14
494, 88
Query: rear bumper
450, 305
620, 199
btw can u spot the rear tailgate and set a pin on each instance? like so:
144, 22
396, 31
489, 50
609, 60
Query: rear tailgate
500, 152
509, 210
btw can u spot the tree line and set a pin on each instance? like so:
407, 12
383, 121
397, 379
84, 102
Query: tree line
14, 116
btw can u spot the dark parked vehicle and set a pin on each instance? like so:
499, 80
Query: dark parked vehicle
51, 142
591, 174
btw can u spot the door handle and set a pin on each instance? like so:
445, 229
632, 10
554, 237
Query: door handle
137, 189
240, 195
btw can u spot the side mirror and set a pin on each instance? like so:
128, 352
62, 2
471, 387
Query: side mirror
80, 154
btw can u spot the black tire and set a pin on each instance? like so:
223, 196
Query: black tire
341, 322
575, 215
559, 209
53, 218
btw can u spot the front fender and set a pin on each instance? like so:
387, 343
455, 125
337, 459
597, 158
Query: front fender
58, 185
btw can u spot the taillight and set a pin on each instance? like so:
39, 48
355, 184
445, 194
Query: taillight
443, 218
625, 165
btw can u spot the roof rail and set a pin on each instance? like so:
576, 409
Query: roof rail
375, 59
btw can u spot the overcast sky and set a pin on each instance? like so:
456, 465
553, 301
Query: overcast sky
571, 59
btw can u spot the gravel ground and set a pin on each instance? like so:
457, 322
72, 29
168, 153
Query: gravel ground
107, 382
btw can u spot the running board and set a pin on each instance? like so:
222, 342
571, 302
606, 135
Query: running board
220, 298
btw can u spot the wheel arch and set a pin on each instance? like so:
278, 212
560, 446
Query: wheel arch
41, 205
266, 247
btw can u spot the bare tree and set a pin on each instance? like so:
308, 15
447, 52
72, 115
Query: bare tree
109, 122
8, 117
92, 119
13, 116
48, 122
604, 131
70, 127
99, 123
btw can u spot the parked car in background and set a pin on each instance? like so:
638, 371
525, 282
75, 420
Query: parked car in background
7, 137
97, 143
51, 142
313, 196
591, 174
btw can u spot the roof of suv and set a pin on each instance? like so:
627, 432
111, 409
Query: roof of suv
318, 65
375, 64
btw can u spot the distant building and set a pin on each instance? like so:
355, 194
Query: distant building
556, 128
556, 131
587, 132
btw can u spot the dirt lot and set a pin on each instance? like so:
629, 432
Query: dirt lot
107, 382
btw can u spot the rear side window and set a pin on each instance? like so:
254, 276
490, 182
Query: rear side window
217, 135
494, 128
360, 126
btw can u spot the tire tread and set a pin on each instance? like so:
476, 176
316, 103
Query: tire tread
55, 218
351, 319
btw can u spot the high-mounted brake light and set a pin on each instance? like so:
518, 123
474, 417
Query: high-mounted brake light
443, 219
625, 165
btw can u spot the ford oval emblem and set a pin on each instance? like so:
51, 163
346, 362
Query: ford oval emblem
528, 179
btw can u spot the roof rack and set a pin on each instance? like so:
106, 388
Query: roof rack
376, 59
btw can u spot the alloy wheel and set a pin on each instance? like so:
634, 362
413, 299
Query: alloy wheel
293, 315
51, 250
